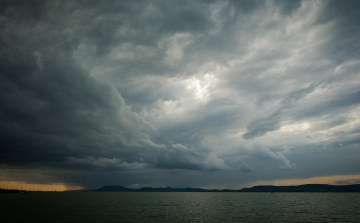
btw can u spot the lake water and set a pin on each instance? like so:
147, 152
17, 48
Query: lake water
179, 207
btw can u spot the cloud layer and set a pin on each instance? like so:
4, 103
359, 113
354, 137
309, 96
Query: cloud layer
204, 93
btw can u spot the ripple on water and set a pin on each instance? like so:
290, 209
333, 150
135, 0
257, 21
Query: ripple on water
180, 207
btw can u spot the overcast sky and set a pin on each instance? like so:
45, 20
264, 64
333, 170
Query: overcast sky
215, 94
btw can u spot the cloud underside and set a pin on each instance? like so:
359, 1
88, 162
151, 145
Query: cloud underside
207, 87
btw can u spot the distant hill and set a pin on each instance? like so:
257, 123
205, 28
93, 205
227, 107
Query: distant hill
116, 188
169, 189
113, 188
305, 188
11, 191
300, 188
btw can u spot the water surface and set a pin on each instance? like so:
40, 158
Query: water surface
179, 207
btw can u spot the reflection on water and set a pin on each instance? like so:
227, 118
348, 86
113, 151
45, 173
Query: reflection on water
180, 207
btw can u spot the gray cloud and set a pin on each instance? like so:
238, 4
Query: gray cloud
177, 93
271, 123
262, 126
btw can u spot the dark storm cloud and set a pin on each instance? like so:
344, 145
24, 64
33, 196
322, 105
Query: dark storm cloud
53, 111
203, 88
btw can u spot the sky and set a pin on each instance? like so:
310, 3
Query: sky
211, 94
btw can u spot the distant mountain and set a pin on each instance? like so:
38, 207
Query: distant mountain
116, 188
300, 188
305, 188
169, 189
113, 188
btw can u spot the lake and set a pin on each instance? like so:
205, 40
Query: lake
179, 207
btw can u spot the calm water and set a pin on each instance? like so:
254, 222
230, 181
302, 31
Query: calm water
180, 207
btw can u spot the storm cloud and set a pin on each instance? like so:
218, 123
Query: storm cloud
178, 93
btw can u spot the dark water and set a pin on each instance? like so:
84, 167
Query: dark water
180, 207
